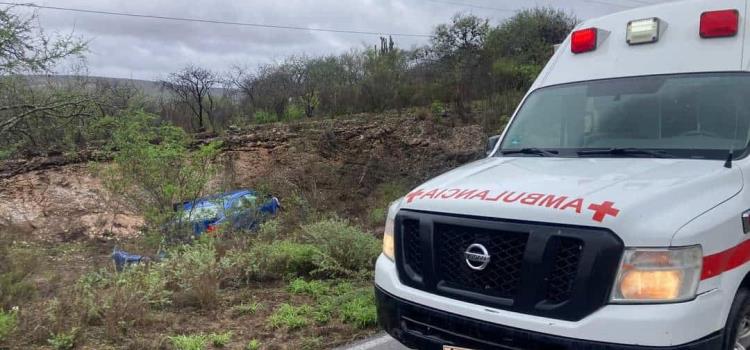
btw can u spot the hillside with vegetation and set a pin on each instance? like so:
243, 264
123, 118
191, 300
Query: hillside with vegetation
91, 165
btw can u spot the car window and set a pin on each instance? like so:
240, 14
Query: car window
247, 201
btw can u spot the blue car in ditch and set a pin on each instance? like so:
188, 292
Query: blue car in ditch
236, 210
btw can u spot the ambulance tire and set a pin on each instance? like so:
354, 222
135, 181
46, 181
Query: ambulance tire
738, 317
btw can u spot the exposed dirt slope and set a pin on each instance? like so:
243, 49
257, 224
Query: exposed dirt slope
335, 164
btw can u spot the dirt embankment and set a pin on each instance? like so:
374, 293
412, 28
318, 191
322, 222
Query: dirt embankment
333, 164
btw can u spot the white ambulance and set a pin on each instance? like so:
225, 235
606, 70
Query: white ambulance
611, 214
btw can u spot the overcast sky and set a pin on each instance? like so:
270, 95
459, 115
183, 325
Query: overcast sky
150, 49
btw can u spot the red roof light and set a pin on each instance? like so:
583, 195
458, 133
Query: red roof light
583, 40
719, 24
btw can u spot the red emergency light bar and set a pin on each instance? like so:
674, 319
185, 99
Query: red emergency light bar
583, 40
719, 24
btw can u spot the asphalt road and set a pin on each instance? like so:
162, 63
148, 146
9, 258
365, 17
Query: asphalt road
379, 342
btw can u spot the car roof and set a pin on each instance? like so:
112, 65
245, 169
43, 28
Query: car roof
226, 196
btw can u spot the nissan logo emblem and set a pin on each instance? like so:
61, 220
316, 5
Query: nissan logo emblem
477, 257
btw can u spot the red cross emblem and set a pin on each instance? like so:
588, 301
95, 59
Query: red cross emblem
410, 197
602, 210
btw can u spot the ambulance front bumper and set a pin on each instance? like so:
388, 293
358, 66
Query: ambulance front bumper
426, 321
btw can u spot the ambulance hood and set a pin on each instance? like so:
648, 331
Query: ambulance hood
643, 200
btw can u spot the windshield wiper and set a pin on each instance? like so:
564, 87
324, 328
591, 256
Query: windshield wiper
531, 150
626, 152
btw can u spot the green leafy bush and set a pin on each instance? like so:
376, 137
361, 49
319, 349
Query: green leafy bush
196, 272
220, 340
263, 117
189, 342
290, 317
17, 263
154, 167
246, 308
64, 340
293, 112
120, 301
378, 215
311, 343
275, 260
359, 310
384, 195
437, 109
269, 231
8, 323
353, 249
253, 345
314, 288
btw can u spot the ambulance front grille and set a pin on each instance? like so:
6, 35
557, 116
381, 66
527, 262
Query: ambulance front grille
501, 277
412, 246
560, 272
567, 256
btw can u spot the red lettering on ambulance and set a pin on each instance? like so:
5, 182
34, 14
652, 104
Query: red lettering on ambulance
411, 196
551, 201
445, 194
531, 198
439, 193
495, 199
577, 204
481, 195
430, 194
465, 194
508, 198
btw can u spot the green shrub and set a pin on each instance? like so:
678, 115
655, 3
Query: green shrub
314, 288
378, 215
437, 109
196, 272
343, 301
189, 342
220, 340
263, 117
16, 266
253, 345
154, 166
388, 192
246, 309
275, 260
64, 340
293, 112
384, 195
360, 309
6, 153
8, 322
290, 317
353, 249
311, 343
269, 231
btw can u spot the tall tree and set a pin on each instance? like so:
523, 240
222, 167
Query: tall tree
24, 48
192, 86
457, 47
24, 112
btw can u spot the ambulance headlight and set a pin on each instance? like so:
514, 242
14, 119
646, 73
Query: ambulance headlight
658, 275
389, 247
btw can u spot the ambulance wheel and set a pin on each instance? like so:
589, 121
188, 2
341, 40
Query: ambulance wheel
737, 331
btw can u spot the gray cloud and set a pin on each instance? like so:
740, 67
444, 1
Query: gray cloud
150, 49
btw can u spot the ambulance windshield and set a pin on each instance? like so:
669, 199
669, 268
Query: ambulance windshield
700, 116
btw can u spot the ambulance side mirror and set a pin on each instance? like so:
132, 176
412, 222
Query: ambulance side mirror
491, 143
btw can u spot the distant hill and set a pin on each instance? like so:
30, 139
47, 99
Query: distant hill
149, 88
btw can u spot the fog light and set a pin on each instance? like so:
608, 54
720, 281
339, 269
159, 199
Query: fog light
643, 31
